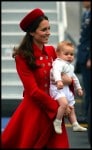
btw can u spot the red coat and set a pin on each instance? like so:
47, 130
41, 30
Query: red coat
31, 125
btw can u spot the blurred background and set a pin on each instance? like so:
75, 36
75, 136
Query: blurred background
64, 20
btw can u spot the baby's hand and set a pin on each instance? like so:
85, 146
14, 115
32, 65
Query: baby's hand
80, 92
59, 84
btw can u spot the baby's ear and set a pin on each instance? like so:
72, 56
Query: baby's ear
57, 53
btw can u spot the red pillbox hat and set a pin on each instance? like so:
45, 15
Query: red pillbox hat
30, 18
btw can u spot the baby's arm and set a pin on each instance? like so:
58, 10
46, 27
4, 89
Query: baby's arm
59, 84
80, 92
77, 85
56, 71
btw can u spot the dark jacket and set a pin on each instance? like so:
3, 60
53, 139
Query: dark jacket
83, 50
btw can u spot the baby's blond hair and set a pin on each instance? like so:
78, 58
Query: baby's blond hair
62, 44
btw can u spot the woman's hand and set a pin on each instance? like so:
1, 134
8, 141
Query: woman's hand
68, 110
66, 79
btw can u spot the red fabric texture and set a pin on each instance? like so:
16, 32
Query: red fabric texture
30, 17
71, 87
31, 125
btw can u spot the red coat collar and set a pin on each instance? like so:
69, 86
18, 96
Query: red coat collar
38, 52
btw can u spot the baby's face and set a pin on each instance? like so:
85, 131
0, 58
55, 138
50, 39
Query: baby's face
67, 53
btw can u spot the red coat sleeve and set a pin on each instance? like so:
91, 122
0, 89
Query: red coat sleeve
30, 86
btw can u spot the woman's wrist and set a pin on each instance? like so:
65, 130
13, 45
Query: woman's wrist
66, 79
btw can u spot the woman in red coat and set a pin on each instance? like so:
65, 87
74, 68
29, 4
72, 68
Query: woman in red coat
31, 125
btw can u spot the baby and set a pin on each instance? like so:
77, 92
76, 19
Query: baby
64, 94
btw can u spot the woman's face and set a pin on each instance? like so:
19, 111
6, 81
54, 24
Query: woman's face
42, 33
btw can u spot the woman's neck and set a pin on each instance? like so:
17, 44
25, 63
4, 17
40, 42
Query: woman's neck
39, 45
